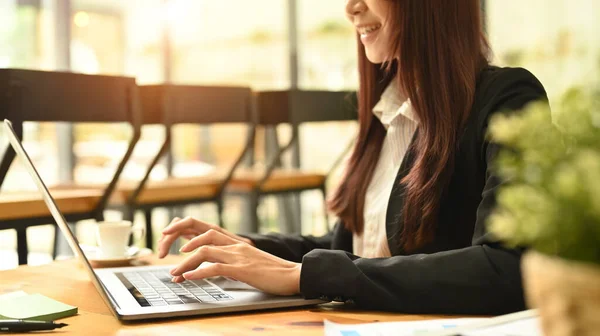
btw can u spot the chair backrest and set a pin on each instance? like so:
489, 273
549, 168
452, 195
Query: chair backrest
181, 104
43, 96
300, 106
31, 95
187, 104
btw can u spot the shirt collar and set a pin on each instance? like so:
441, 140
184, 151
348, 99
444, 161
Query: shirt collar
392, 104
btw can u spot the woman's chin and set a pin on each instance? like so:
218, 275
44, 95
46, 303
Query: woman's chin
375, 57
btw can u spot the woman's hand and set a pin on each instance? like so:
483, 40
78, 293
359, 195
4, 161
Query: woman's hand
189, 228
233, 258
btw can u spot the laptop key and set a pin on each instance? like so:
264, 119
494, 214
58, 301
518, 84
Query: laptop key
189, 300
157, 302
143, 303
170, 297
174, 302
152, 297
206, 298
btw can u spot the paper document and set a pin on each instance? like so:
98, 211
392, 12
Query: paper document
525, 327
523, 323
409, 328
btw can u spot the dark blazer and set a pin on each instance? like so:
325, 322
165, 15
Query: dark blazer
464, 270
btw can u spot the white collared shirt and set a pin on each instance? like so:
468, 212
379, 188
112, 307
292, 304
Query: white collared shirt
397, 116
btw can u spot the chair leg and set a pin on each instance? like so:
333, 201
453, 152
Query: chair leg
60, 244
250, 221
5, 163
128, 213
177, 211
22, 248
325, 208
220, 212
149, 234
287, 220
55, 243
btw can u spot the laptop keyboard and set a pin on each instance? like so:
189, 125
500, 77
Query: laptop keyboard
155, 288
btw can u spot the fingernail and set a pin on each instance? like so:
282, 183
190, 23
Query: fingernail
173, 271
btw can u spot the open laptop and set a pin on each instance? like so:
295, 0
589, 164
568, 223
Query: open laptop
144, 292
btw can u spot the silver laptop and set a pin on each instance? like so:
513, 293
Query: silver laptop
144, 292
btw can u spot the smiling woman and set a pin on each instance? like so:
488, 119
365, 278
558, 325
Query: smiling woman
418, 188
372, 27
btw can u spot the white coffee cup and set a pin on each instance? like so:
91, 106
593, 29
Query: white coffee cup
113, 237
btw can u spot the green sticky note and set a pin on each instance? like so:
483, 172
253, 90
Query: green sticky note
33, 307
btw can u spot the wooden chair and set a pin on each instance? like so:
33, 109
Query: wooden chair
200, 105
40, 96
293, 107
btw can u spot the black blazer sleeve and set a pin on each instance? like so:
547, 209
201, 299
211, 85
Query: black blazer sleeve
480, 279
294, 247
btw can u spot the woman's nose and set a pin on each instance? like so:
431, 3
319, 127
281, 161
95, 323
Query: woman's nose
355, 7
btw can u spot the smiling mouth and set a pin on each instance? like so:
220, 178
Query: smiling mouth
365, 31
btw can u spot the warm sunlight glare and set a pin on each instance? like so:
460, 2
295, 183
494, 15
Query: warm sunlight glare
81, 19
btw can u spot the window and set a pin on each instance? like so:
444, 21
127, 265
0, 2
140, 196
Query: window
25, 31
246, 46
27, 42
327, 46
557, 40
122, 38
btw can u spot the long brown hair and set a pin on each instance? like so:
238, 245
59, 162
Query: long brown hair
439, 49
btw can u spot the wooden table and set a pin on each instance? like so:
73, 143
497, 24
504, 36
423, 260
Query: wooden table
66, 281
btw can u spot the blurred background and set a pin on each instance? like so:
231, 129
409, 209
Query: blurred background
264, 44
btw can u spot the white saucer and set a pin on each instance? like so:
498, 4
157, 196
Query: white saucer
96, 259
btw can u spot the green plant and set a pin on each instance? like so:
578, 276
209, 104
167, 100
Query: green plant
551, 202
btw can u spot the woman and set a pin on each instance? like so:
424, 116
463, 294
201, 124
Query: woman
418, 187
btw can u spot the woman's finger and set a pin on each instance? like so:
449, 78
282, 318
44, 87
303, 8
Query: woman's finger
165, 243
176, 219
210, 237
179, 225
210, 271
178, 279
188, 233
205, 253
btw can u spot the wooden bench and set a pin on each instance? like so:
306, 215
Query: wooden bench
23, 205
279, 180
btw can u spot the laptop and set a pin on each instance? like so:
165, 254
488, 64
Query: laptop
146, 292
